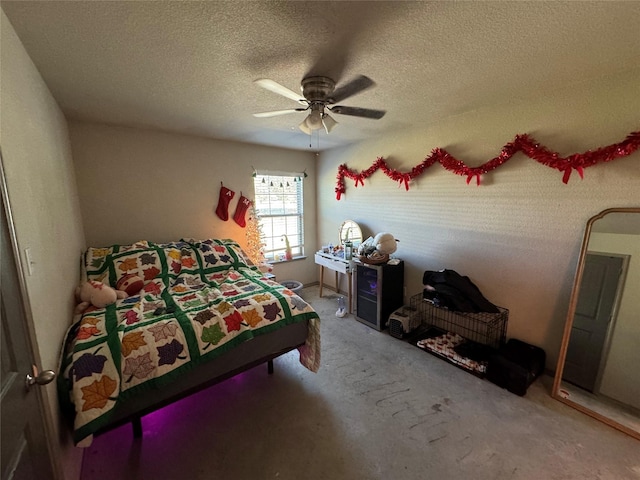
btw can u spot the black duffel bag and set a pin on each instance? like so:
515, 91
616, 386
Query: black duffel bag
516, 365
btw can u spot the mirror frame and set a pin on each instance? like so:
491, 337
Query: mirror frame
555, 393
342, 226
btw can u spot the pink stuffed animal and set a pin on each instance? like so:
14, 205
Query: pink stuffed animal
96, 294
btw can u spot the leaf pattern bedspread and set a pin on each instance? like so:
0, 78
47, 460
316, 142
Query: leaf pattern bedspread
200, 299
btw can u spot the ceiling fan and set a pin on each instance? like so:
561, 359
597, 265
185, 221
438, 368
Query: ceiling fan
319, 96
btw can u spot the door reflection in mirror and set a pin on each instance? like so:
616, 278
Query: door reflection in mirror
594, 319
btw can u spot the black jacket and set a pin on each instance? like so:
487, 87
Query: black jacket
451, 290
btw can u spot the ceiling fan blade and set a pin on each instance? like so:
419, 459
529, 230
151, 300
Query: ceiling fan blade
275, 113
356, 85
275, 87
358, 112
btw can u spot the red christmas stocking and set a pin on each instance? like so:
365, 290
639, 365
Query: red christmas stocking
226, 196
241, 209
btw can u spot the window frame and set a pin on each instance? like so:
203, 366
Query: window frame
278, 216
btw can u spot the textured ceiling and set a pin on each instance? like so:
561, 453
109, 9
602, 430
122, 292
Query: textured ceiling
190, 66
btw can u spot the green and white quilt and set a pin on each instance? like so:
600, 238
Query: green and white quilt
200, 299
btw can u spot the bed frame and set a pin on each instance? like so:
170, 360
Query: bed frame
254, 352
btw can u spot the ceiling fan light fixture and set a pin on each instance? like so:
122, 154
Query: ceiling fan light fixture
328, 122
303, 126
314, 120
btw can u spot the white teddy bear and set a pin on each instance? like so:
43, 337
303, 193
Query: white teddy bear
385, 243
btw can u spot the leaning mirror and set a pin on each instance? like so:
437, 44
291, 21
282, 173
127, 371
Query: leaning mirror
598, 369
350, 230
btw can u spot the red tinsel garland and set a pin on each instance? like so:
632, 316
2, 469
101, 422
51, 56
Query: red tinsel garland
522, 143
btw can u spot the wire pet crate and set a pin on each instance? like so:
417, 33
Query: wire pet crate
488, 329
463, 339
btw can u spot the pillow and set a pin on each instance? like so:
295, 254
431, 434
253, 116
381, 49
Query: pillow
111, 264
130, 283
216, 255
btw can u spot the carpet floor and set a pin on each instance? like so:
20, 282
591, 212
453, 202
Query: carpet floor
379, 408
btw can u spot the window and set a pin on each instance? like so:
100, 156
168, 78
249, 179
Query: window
278, 203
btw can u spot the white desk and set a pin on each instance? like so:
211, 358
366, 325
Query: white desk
339, 265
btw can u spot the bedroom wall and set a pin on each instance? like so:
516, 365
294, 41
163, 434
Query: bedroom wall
518, 235
139, 184
42, 192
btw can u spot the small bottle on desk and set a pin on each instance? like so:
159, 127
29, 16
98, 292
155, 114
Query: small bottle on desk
348, 250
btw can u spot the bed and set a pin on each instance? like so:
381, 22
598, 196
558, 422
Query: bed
205, 314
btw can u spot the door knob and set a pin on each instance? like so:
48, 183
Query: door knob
39, 378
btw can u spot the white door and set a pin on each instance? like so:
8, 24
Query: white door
25, 454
